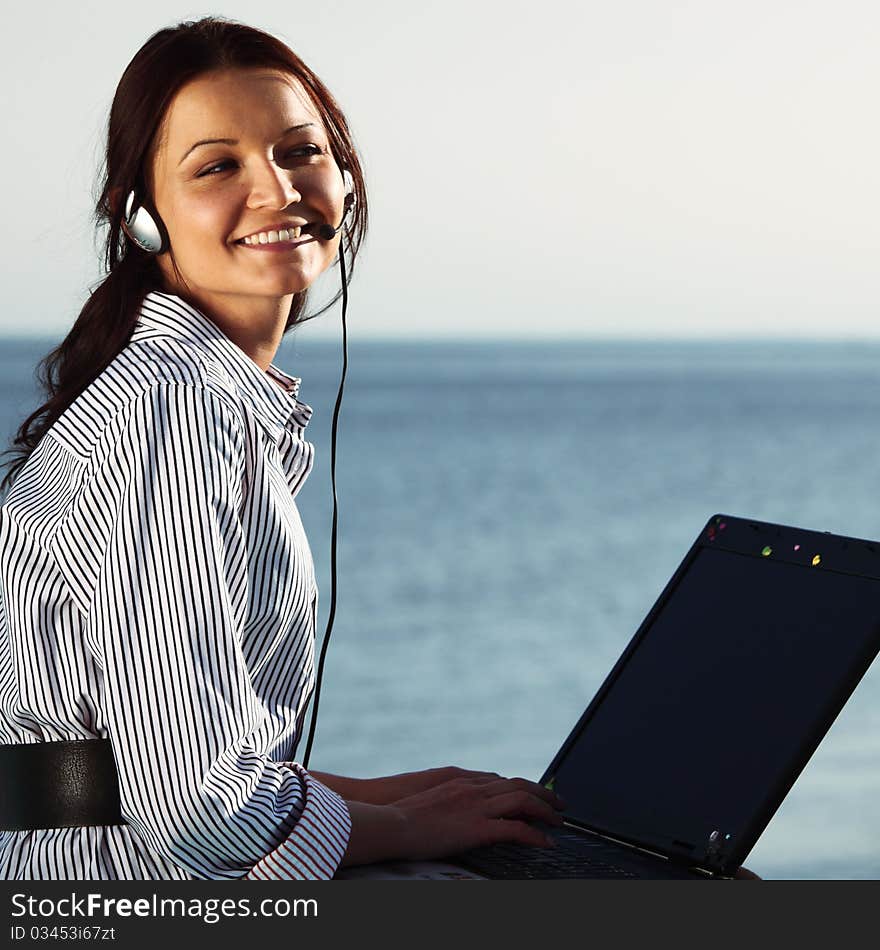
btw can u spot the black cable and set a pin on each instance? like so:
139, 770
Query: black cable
330, 618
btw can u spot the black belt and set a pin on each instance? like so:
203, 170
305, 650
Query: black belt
58, 785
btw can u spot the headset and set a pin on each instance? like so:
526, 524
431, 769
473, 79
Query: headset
145, 228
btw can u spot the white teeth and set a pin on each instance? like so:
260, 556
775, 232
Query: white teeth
273, 237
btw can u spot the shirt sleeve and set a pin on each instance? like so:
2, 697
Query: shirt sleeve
189, 731
301, 856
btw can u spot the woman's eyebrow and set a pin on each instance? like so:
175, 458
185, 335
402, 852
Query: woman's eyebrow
293, 128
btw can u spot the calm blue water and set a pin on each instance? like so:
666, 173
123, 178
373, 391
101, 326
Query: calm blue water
510, 512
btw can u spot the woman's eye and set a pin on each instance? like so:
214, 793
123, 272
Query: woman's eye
315, 150
210, 169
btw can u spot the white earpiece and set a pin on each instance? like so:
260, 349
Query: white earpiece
143, 229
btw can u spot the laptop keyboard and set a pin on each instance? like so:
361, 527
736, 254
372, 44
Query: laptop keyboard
575, 857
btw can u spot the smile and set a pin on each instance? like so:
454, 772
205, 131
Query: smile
272, 237
276, 246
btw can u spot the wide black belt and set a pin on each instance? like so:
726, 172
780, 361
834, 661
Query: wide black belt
58, 785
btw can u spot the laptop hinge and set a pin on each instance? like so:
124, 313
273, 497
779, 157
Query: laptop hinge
672, 859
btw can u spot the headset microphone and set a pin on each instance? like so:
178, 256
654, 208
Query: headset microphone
326, 231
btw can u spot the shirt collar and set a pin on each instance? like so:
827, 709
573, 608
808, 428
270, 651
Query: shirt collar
164, 314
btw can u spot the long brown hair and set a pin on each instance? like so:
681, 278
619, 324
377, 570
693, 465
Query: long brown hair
166, 62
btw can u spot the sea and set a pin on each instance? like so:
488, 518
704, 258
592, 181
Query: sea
510, 511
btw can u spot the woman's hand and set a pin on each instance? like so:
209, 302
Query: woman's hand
391, 788
477, 808
472, 809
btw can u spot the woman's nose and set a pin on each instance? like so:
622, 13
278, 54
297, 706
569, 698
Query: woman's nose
272, 186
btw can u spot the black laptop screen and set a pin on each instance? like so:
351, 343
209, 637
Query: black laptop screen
711, 715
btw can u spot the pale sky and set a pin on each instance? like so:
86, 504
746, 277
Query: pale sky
635, 168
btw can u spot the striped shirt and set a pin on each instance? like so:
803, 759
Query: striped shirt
157, 589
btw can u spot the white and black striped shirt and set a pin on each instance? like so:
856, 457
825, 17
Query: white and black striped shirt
157, 589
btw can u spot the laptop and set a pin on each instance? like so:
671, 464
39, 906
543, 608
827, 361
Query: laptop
712, 711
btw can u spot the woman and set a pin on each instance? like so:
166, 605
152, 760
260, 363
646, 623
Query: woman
157, 593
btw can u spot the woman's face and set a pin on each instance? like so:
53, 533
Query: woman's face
275, 168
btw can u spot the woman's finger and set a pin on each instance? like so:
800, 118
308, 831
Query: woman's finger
506, 829
535, 789
451, 772
506, 785
479, 778
499, 785
522, 803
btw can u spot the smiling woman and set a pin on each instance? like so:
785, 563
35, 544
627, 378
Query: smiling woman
149, 651
157, 592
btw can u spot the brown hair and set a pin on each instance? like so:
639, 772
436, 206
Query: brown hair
166, 62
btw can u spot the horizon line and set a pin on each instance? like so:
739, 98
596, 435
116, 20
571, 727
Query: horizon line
521, 338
